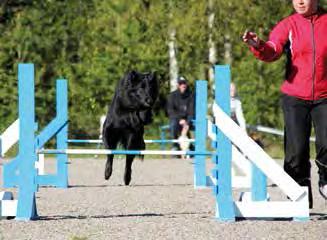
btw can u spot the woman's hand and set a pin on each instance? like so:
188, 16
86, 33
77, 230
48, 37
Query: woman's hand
251, 39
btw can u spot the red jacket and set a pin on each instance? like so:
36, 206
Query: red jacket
306, 40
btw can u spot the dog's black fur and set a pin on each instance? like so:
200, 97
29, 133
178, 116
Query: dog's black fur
129, 111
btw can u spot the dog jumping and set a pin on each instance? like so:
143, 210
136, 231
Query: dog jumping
129, 111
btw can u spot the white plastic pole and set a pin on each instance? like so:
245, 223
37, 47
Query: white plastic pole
9, 137
256, 155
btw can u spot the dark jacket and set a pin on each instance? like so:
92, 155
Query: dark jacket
181, 106
306, 40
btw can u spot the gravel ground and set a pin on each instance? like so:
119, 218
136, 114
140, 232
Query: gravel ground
160, 203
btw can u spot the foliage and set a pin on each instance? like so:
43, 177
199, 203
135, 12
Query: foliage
93, 43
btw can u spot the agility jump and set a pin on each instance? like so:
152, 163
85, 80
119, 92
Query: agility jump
22, 171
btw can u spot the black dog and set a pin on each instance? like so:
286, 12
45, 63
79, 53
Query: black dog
129, 111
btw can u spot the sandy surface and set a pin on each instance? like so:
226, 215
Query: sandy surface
161, 203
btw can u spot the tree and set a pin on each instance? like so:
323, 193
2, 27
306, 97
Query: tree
93, 43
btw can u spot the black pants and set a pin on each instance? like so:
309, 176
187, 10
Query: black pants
299, 115
175, 130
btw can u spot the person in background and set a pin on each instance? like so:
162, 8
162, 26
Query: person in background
238, 116
236, 107
180, 110
302, 36
102, 120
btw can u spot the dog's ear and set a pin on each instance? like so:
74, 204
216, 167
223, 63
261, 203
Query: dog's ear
132, 74
129, 79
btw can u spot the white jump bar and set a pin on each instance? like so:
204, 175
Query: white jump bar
99, 141
121, 152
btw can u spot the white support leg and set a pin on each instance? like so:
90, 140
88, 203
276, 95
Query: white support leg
40, 164
276, 209
8, 206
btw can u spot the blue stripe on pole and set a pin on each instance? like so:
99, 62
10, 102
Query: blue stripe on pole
62, 135
26, 208
258, 184
47, 180
9, 172
200, 178
57, 127
225, 204
49, 131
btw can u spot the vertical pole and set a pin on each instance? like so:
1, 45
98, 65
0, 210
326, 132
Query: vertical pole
200, 132
62, 135
224, 198
162, 137
258, 185
2, 152
26, 208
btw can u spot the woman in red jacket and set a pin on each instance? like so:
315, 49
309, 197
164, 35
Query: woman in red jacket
302, 36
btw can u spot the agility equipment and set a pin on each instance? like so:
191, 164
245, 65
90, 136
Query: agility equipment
22, 172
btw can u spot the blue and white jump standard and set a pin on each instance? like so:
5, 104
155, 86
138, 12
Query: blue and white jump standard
256, 205
22, 172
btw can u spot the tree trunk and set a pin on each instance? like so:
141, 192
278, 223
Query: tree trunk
173, 65
212, 47
228, 50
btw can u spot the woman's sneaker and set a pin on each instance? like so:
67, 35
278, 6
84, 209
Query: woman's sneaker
323, 191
